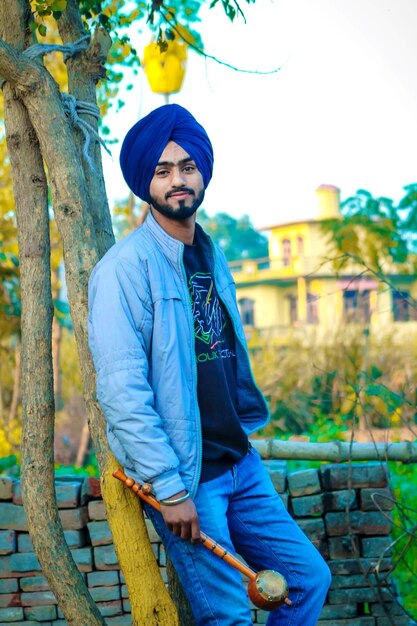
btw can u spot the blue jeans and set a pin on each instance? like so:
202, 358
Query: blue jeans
242, 511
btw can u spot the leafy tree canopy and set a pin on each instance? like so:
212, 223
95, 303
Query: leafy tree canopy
375, 231
237, 237
166, 19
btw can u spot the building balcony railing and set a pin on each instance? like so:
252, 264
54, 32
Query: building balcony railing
283, 267
302, 266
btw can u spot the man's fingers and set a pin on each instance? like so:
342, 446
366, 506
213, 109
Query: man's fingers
182, 520
175, 529
185, 531
195, 530
181, 529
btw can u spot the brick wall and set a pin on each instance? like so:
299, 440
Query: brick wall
352, 544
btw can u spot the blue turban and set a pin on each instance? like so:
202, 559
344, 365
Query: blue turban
147, 139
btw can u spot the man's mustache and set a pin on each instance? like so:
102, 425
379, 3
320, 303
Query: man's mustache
181, 190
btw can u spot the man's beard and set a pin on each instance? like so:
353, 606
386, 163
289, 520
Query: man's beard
183, 212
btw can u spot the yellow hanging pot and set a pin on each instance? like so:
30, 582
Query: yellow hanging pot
165, 71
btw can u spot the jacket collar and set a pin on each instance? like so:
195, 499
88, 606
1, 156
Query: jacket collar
172, 248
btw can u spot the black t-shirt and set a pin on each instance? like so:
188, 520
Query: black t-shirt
224, 440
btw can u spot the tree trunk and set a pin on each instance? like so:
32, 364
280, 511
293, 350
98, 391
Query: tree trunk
70, 199
84, 71
38, 401
151, 606
1, 405
70, 202
177, 594
38, 488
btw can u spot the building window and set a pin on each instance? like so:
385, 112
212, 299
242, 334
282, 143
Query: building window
300, 246
356, 306
286, 251
312, 309
402, 307
247, 311
292, 301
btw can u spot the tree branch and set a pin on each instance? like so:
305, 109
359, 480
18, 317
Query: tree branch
84, 70
13, 65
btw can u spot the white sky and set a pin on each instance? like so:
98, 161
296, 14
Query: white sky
342, 110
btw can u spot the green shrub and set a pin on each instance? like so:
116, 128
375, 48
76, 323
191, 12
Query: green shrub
348, 380
404, 485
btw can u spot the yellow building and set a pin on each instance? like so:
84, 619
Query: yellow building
297, 290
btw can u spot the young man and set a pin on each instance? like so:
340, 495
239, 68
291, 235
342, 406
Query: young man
175, 385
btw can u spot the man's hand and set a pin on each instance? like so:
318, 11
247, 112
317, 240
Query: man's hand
182, 519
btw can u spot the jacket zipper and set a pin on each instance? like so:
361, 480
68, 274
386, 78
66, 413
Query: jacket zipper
261, 396
196, 477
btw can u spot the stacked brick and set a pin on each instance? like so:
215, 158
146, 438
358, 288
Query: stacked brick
336, 506
25, 598
346, 512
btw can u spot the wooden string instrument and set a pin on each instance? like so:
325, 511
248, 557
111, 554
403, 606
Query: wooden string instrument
267, 589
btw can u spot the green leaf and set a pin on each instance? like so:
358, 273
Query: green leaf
395, 399
103, 19
162, 43
375, 373
42, 30
375, 390
7, 461
392, 400
59, 5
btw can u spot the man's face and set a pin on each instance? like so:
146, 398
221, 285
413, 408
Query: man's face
177, 188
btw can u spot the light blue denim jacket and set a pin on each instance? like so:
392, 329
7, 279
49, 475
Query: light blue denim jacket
141, 335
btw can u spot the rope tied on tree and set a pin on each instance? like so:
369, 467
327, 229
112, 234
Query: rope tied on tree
68, 50
73, 108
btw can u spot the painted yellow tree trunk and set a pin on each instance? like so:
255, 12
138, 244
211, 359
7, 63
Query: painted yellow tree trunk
152, 605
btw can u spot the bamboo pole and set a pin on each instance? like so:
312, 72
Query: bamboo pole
336, 451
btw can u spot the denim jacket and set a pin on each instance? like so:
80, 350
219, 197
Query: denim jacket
141, 335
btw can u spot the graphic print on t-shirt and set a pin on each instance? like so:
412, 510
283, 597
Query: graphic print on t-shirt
224, 440
209, 318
